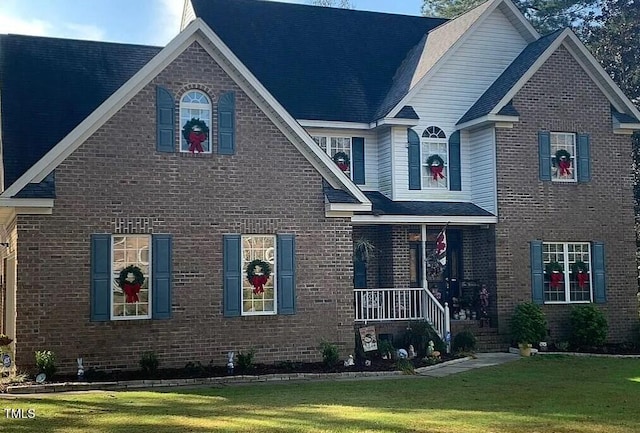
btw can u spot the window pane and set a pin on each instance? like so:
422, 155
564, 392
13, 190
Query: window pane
195, 105
258, 296
563, 152
575, 284
131, 300
435, 170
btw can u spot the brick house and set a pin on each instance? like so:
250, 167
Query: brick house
147, 182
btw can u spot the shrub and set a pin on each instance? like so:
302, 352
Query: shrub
528, 324
405, 366
330, 354
464, 341
149, 363
587, 326
385, 347
46, 362
245, 360
418, 334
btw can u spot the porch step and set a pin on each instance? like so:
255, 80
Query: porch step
487, 338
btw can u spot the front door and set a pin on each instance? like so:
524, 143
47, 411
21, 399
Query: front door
446, 284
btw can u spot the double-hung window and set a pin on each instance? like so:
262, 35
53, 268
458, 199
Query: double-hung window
435, 158
131, 298
567, 272
333, 146
563, 157
195, 121
259, 297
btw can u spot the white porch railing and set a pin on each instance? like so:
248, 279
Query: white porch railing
384, 305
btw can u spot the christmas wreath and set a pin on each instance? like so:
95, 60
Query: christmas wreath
436, 165
258, 278
195, 131
580, 273
555, 272
342, 160
130, 281
563, 160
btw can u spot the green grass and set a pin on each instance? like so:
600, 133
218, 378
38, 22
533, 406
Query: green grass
541, 394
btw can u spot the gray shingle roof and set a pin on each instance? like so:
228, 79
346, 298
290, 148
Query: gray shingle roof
509, 78
48, 87
407, 112
320, 63
337, 195
623, 117
381, 205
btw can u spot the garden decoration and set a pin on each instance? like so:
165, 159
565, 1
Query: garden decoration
563, 159
581, 273
195, 131
342, 160
554, 271
258, 272
130, 281
436, 166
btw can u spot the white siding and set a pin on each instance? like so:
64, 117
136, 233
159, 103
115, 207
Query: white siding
453, 89
385, 180
370, 151
483, 173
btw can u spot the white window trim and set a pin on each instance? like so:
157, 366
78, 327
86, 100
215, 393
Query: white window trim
424, 166
574, 156
196, 106
566, 276
149, 279
327, 150
272, 277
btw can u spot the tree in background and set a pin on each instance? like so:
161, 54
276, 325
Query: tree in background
345, 4
545, 15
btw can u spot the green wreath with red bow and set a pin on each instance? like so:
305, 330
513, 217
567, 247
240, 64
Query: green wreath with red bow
195, 131
563, 161
580, 273
258, 278
555, 272
342, 160
436, 166
130, 281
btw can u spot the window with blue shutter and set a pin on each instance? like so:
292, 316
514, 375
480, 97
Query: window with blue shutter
161, 269
537, 272
232, 275
165, 120
414, 159
357, 151
100, 277
455, 181
599, 276
226, 124
584, 158
544, 155
286, 273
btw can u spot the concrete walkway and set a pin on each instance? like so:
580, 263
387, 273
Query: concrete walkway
466, 364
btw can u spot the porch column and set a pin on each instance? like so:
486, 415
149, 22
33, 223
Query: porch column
423, 245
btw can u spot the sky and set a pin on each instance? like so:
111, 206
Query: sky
147, 22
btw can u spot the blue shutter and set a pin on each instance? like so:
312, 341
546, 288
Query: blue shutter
537, 273
455, 182
414, 159
598, 273
165, 121
226, 124
286, 274
232, 275
359, 274
584, 158
544, 154
161, 267
357, 153
100, 277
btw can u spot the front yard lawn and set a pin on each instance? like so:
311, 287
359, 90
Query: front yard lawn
540, 394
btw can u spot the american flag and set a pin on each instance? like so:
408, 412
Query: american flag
441, 246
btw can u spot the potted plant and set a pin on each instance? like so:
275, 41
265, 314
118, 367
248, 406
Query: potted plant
528, 325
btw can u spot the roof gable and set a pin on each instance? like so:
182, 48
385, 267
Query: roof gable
339, 63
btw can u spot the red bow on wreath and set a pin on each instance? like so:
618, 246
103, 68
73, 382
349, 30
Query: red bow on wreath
565, 167
556, 279
583, 279
258, 282
195, 140
131, 290
436, 171
343, 166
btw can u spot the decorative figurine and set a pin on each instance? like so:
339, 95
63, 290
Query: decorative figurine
230, 362
412, 352
80, 369
349, 362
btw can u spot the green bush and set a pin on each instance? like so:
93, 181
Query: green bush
385, 347
587, 326
464, 341
418, 334
330, 354
528, 324
245, 360
46, 362
149, 363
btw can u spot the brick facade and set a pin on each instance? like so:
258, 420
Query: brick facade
562, 97
116, 182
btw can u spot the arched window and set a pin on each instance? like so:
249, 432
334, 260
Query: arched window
435, 158
195, 121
